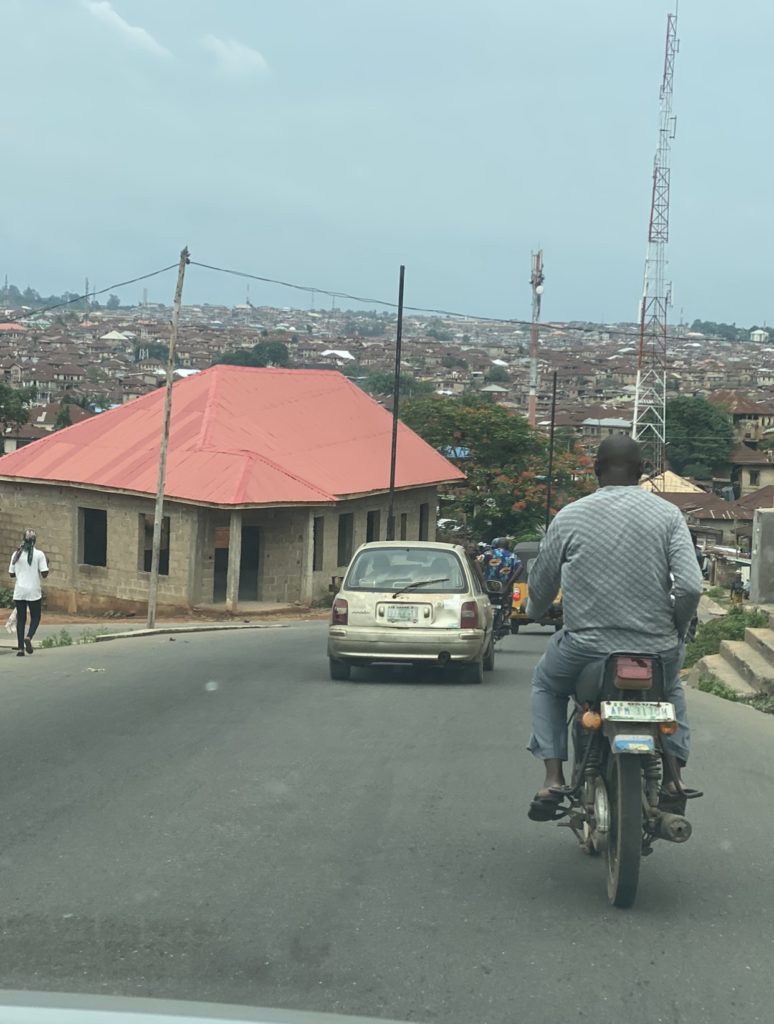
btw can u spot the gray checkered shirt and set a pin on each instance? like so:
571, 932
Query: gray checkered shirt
627, 568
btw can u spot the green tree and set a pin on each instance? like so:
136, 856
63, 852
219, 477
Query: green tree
498, 375
265, 353
15, 405
90, 402
155, 350
113, 302
439, 333
505, 462
699, 433
452, 362
63, 417
382, 382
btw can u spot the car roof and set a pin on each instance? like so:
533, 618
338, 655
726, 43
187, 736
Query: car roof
431, 545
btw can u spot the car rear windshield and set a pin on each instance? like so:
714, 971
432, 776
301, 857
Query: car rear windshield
423, 569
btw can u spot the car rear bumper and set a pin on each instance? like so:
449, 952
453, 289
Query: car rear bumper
409, 645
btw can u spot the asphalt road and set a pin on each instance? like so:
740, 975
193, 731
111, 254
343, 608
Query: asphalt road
211, 818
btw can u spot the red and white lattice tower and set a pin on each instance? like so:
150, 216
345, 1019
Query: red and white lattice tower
649, 421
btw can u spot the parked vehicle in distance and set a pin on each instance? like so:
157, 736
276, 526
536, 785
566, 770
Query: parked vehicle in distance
412, 602
527, 552
449, 525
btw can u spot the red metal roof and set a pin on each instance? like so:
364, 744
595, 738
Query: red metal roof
239, 436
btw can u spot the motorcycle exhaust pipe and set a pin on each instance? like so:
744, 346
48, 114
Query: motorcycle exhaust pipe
673, 827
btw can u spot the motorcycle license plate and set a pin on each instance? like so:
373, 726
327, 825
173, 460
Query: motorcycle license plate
637, 711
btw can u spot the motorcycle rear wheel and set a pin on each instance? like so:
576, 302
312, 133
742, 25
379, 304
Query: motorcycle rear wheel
625, 841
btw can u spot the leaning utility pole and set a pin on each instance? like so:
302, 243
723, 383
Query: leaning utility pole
536, 280
649, 420
395, 407
158, 518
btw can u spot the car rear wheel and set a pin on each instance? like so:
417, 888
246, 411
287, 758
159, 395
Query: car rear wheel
489, 656
340, 670
472, 672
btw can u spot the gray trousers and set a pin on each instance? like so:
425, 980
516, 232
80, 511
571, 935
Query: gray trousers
553, 683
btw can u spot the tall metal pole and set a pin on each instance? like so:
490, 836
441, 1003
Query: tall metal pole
551, 452
158, 517
536, 280
395, 409
649, 420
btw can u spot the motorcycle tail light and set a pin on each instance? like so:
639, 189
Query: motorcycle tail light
633, 673
340, 612
667, 728
469, 615
517, 592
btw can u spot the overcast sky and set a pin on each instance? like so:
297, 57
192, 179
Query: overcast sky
328, 141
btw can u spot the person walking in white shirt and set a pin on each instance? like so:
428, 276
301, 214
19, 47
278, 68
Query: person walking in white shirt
28, 566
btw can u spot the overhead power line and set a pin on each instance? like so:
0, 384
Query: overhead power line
309, 289
80, 298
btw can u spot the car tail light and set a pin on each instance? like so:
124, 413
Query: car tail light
340, 613
469, 615
517, 591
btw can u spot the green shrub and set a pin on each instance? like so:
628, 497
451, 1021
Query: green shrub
90, 636
717, 592
6, 597
761, 702
730, 627
711, 684
62, 639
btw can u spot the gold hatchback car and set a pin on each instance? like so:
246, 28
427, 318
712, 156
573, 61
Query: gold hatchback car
412, 602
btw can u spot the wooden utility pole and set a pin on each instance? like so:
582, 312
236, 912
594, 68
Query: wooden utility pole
395, 409
158, 518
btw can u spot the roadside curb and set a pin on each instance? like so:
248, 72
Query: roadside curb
712, 607
208, 628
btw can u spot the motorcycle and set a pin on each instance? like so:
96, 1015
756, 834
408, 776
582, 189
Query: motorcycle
501, 597
625, 792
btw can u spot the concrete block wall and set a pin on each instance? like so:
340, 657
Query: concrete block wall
282, 553
407, 502
122, 585
119, 585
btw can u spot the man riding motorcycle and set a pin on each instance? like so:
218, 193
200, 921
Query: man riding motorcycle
630, 581
501, 565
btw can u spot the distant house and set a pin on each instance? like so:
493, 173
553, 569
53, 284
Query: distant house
274, 477
750, 469
759, 335
609, 426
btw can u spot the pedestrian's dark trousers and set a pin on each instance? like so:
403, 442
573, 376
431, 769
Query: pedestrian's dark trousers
21, 619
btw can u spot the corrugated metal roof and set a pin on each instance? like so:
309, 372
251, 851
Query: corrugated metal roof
239, 436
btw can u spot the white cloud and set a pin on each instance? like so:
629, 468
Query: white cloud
102, 9
234, 58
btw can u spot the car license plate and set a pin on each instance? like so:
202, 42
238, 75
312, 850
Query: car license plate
637, 711
402, 613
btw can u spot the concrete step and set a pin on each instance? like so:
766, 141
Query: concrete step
762, 641
749, 664
717, 666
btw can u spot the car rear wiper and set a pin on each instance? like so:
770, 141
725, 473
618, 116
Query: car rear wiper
420, 583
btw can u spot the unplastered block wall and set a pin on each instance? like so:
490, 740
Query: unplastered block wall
282, 550
53, 511
408, 502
